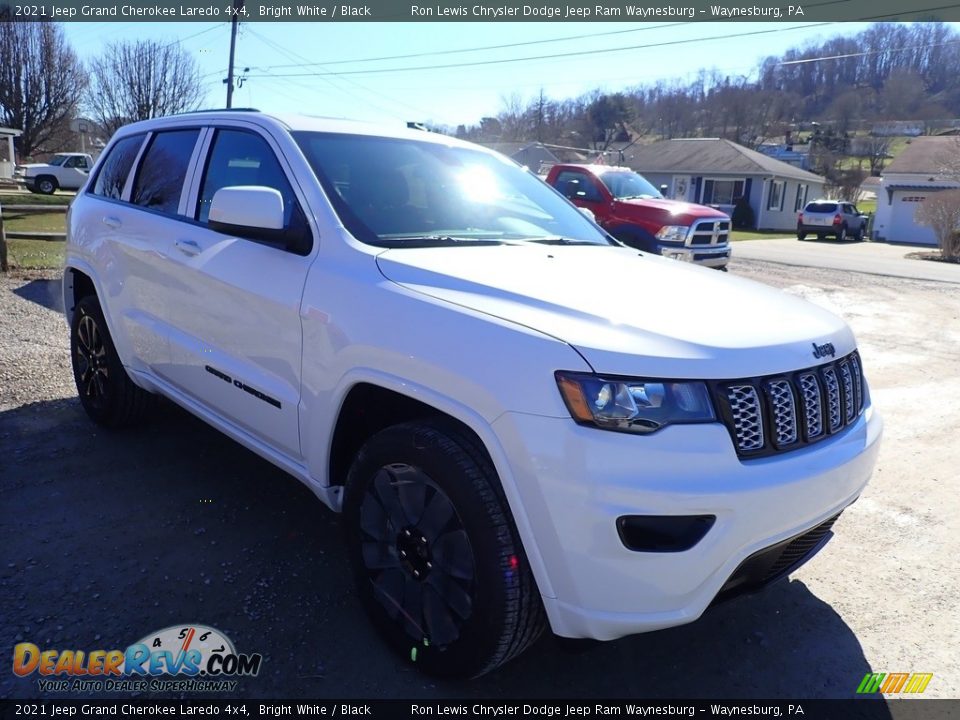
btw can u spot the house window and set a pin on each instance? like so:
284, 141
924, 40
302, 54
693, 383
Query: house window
801, 197
775, 200
721, 192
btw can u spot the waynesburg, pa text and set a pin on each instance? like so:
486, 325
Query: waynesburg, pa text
548, 12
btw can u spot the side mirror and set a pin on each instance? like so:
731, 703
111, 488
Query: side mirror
256, 212
246, 207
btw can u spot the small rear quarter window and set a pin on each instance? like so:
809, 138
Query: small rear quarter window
116, 166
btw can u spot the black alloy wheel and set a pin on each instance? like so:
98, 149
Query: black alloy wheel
436, 557
106, 392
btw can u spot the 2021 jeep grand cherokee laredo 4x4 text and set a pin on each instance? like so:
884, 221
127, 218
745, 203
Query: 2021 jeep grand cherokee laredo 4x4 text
523, 422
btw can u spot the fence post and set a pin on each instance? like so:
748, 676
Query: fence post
3, 244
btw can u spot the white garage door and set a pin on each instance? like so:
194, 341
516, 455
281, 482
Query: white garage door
903, 228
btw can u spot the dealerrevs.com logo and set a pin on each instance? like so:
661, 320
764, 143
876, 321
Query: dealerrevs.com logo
180, 658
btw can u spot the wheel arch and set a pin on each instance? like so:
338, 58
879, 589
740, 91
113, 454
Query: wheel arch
399, 395
77, 283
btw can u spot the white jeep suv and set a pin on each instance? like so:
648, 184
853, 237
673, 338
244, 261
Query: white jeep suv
523, 422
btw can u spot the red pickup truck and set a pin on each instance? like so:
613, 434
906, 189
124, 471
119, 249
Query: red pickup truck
635, 213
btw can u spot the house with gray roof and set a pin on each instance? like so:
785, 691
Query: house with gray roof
716, 172
926, 166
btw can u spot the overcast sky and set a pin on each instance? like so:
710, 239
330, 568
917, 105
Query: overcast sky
618, 56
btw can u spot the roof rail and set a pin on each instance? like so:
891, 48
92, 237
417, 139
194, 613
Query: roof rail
240, 109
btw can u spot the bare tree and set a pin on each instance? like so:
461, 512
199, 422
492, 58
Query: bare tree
141, 80
41, 81
941, 212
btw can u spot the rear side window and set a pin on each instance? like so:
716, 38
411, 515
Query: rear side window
115, 168
160, 178
821, 207
243, 158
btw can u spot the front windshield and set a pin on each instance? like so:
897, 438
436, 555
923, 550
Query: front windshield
626, 184
402, 192
59, 159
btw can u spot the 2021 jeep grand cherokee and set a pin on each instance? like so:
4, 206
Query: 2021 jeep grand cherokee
523, 422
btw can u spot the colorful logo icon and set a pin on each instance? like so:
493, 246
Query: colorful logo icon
894, 683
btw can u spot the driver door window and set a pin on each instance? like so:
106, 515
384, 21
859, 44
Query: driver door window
244, 158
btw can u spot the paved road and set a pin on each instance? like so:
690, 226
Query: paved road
868, 257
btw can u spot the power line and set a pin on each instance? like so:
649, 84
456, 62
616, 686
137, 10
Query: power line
579, 53
293, 56
868, 52
478, 49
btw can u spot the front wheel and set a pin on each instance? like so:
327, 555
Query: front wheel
842, 234
437, 560
106, 392
46, 185
860, 233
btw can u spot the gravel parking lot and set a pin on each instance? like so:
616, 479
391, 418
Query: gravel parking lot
109, 536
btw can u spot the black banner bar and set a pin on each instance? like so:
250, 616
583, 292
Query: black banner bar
640, 11
853, 709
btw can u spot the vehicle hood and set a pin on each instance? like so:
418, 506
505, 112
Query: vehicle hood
627, 312
676, 208
33, 166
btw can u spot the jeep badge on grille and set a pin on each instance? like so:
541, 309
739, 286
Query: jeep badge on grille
820, 351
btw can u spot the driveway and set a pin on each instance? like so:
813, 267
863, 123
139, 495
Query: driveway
876, 258
109, 536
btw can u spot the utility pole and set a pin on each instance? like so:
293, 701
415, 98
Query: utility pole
234, 23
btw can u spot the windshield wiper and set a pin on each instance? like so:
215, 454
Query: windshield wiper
557, 240
638, 197
434, 240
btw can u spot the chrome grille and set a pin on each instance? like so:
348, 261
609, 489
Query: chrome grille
812, 405
784, 412
747, 421
779, 413
710, 232
833, 398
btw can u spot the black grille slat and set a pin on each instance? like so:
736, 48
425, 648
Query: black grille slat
779, 413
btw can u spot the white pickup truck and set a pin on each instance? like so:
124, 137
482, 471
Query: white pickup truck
65, 171
524, 423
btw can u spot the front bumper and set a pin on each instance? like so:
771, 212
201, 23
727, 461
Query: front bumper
574, 482
708, 255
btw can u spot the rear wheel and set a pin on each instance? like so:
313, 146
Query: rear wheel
106, 392
859, 236
842, 234
438, 563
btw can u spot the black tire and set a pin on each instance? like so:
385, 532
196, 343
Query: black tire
46, 185
106, 392
437, 560
859, 236
842, 234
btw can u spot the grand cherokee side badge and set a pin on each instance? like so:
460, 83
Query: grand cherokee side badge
820, 351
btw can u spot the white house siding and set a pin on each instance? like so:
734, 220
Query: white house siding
784, 216
785, 219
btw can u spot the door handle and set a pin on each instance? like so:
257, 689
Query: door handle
188, 247
111, 222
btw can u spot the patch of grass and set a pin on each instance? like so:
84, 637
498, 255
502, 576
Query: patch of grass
738, 235
34, 222
35, 253
15, 197
867, 207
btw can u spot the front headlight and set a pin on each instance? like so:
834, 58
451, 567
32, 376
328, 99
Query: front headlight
673, 233
634, 405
